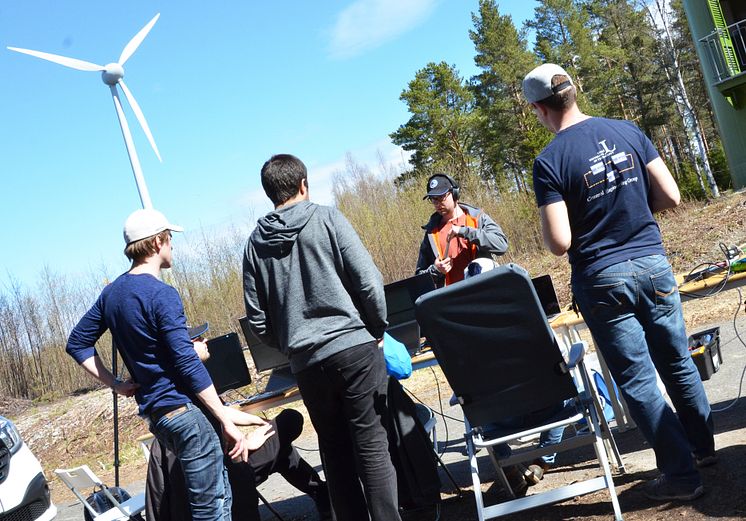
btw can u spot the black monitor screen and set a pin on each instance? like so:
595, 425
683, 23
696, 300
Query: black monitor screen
227, 365
401, 296
265, 357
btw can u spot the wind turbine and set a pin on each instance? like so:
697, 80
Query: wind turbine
112, 75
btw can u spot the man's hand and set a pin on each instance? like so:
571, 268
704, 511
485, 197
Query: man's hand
258, 436
454, 232
443, 266
127, 388
238, 445
201, 348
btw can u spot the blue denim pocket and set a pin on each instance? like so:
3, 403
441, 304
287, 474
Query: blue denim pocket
665, 288
605, 300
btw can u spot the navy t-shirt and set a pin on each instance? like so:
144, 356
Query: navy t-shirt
146, 319
598, 167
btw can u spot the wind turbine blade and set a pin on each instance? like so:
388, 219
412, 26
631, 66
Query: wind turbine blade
140, 117
135, 42
61, 60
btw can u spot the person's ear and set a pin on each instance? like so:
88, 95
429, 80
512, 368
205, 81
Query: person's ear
303, 188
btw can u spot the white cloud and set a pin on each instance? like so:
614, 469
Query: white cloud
380, 157
367, 24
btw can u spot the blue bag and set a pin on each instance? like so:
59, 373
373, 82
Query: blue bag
398, 361
605, 395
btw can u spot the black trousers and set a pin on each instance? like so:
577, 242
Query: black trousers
276, 455
165, 498
345, 395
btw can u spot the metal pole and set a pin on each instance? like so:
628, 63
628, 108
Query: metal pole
116, 413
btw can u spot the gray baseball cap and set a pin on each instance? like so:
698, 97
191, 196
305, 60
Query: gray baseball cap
537, 85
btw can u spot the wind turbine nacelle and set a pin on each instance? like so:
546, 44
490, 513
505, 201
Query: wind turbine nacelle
112, 74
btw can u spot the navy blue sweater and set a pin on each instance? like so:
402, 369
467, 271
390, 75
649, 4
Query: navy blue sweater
147, 322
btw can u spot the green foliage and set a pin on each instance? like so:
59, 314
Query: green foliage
625, 57
510, 136
689, 185
719, 165
442, 129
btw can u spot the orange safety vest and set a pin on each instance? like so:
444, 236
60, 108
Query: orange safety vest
456, 275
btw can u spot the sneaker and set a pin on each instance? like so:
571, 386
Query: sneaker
705, 461
661, 489
534, 473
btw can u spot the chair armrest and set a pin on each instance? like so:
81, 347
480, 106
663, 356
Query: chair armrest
577, 353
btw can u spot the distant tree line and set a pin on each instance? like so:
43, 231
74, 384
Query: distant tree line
631, 59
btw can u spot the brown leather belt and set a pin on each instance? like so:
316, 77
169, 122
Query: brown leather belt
167, 412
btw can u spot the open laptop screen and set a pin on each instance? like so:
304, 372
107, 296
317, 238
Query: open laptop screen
227, 365
265, 357
400, 298
547, 295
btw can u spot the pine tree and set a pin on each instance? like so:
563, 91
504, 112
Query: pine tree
564, 37
442, 129
510, 136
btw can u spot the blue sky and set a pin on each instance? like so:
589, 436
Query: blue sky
223, 85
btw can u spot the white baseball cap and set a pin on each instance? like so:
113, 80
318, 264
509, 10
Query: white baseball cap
537, 85
146, 223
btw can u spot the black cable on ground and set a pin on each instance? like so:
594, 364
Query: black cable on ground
720, 285
743, 373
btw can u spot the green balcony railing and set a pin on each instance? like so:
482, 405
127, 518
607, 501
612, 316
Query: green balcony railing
726, 48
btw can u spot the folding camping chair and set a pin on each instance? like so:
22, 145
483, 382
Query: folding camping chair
498, 353
81, 478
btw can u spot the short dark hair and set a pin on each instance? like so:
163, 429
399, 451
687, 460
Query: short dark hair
281, 177
562, 100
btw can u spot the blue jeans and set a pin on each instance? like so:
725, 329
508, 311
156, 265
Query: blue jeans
196, 444
634, 313
546, 438
346, 398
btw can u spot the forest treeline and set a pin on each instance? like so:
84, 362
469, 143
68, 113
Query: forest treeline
629, 59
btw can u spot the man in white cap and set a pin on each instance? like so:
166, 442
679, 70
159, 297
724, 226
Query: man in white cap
147, 323
597, 186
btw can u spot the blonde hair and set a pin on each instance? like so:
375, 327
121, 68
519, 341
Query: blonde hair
144, 248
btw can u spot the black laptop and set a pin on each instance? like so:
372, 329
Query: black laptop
547, 296
400, 298
227, 365
267, 358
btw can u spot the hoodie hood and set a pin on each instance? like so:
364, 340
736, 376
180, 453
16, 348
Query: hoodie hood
277, 231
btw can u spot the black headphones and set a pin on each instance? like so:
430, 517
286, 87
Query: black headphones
455, 188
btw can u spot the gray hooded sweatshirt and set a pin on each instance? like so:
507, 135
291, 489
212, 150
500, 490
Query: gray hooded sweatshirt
311, 288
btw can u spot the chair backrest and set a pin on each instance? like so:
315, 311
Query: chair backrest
78, 478
492, 340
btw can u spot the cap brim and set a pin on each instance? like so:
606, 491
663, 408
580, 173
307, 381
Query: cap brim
174, 228
436, 194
